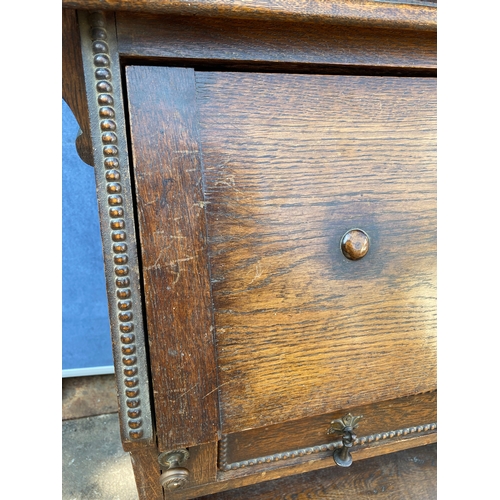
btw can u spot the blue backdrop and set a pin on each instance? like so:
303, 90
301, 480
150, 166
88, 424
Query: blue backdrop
86, 342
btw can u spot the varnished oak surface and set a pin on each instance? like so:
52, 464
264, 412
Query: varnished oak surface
405, 475
305, 47
292, 162
172, 229
367, 13
385, 416
237, 479
147, 471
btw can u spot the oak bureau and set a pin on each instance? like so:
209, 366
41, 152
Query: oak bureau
266, 180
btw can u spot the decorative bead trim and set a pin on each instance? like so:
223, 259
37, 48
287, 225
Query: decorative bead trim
117, 226
315, 449
111, 163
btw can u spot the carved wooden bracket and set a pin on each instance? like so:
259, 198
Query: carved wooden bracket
73, 86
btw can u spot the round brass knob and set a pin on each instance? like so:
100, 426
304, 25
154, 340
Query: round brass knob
173, 479
355, 244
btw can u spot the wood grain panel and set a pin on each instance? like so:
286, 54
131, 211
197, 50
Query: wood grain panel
366, 13
291, 163
202, 464
147, 473
171, 214
179, 37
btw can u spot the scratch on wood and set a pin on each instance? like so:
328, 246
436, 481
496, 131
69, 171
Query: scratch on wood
201, 204
162, 251
176, 262
229, 182
189, 390
178, 269
216, 389
258, 272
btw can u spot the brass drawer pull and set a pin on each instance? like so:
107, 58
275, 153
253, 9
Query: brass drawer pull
175, 476
344, 426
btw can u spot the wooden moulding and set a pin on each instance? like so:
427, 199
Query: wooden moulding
311, 48
363, 13
114, 195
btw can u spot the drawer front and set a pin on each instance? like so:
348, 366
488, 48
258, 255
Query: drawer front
245, 185
291, 163
308, 439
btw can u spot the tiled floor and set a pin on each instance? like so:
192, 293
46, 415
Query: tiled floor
88, 396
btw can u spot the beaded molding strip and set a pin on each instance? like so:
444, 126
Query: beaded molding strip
316, 449
114, 195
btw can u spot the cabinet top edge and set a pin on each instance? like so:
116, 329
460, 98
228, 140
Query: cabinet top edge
374, 13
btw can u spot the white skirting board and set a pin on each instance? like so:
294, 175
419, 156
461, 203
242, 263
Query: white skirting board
84, 372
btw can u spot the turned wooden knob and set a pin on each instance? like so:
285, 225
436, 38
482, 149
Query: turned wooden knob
355, 244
